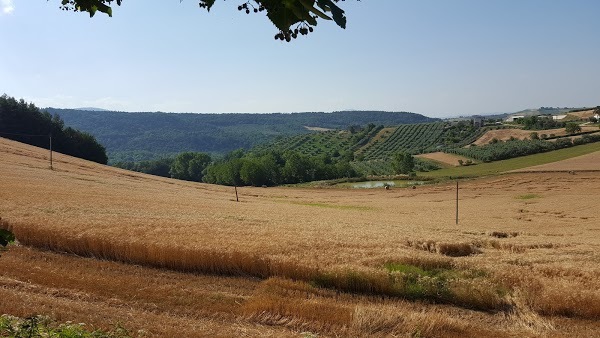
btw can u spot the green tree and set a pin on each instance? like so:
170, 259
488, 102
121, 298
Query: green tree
291, 17
297, 168
24, 122
572, 128
190, 166
225, 173
403, 163
253, 172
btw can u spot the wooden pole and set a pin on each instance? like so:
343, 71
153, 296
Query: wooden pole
456, 202
236, 195
50, 151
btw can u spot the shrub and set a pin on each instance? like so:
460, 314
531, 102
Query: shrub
572, 128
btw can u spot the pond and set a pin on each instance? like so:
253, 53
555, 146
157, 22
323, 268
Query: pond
381, 184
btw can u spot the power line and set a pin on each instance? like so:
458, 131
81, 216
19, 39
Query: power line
16, 134
35, 135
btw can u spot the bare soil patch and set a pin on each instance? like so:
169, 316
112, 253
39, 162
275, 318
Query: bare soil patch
580, 115
449, 159
506, 134
317, 128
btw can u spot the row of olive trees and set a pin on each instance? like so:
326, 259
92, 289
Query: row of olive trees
500, 150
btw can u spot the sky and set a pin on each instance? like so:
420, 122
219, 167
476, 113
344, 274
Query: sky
439, 58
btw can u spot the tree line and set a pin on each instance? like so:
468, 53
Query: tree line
499, 150
240, 168
24, 122
539, 123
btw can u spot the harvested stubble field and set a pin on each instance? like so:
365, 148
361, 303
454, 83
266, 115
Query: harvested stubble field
521, 134
444, 158
102, 245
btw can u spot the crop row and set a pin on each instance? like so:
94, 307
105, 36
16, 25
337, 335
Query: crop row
515, 148
412, 138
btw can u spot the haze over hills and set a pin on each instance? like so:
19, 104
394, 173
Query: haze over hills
146, 135
91, 109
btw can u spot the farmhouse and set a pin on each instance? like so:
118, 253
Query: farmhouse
513, 118
559, 117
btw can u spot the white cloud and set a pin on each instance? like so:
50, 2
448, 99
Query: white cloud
6, 6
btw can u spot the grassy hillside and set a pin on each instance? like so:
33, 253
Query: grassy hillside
139, 136
515, 163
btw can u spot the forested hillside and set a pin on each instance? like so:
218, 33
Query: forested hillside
24, 122
141, 136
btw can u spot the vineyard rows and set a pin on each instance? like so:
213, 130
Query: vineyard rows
377, 146
410, 138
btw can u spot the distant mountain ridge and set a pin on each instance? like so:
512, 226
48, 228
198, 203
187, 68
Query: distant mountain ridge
148, 135
91, 109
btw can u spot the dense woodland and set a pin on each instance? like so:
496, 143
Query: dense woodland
259, 168
144, 136
24, 122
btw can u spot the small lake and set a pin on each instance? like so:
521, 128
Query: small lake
381, 184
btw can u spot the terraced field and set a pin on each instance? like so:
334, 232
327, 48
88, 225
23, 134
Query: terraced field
169, 258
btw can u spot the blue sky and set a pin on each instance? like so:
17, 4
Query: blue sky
439, 58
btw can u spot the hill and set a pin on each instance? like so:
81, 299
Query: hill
176, 258
371, 148
146, 135
26, 123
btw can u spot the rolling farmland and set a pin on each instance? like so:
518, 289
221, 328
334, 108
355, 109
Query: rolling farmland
183, 258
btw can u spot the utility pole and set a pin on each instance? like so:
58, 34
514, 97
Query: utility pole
457, 202
236, 195
50, 136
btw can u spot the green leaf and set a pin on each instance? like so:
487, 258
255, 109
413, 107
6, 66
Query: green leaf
6, 237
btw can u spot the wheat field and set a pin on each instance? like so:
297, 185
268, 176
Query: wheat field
168, 258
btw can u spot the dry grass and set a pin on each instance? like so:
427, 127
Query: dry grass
447, 249
448, 159
506, 134
503, 234
280, 246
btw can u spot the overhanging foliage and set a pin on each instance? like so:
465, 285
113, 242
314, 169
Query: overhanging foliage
291, 17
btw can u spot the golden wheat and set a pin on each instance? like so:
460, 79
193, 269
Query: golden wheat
286, 244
